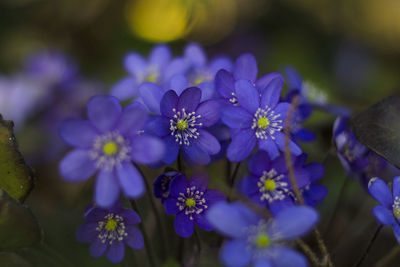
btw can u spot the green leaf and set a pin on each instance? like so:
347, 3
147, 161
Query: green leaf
11, 259
378, 128
16, 178
18, 226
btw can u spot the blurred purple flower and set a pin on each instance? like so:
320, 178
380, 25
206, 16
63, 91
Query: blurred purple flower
109, 230
162, 183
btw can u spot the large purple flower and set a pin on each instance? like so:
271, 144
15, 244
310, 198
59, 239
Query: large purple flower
256, 120
109, 230
268, 183
253, 241
388, 212
190, 201
107, 143
182, 126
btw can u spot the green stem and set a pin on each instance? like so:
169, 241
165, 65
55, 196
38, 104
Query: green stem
371, 242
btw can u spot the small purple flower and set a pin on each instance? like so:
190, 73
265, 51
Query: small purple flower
161, 184
109, 230
268, 183
190, 201
388, 212
253, 241
107, 143
182, 126
256, 120
158, 69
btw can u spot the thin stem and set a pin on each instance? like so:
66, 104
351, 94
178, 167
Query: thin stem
307, 250
371, 242
147, 245
292, 177
198, 240
388, 257
231, 181
156, 214
180, 163
339, 201
228, 167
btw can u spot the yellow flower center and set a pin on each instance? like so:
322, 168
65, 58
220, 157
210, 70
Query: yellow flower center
263, 241
270, 185
182, 125
151, 78
263, 122
190, 202
111, 225
198, 81
110, 148
396, 213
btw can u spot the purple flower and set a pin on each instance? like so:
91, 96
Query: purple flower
158, 69
256, 120
245, 68
268, 182
190, 201
109, 230
257, 242
388, 212
107, 144
161, 184
182, 126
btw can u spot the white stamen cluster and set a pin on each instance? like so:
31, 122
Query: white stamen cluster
274, 125
109, 236
183, 136
253, 232
313, 94
199, 202
105, 161
396, 207
281, 190
234, 100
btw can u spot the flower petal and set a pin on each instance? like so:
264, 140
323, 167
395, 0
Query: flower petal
97, 248
147, 149
131, 180
125, 89
133, 119
197, 154
241, 146
213, 196
262, 262
189, 99
247, 96
270, 147
235, 253
170, 206
207, 142
224, 83
264, 81
135, 237
272, 93
178, 185
160, 56
78, 133
380, 191
77, 166
316, 171
245, 68
104, 112
209, 111
183, 225
158, 125
227, 219
293, 222
236, 117
202, 222
151, 95
396, 186
220, 63
178, 83
136, 65
259, 162
107, 189
172, 149
87, 232
116, 252
383, 215
286, 257
130, 216
169, 102
280, 141
200, 181
195, 54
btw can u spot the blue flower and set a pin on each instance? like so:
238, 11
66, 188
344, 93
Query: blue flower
107, 143
245, 68
388, 212
268, 182
158, 69
182, 126
257, 242
109, 230
257, 120
161, 184
190, 201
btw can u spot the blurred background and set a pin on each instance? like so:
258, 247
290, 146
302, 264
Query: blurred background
348, 49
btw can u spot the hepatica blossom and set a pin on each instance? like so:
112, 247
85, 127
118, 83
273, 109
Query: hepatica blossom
256, 242
107, 144
190, 201
182, 126
257, 120
388, 210
109, 230
268, 183
161, 184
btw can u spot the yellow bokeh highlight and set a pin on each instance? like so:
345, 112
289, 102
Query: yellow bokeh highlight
158, 20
